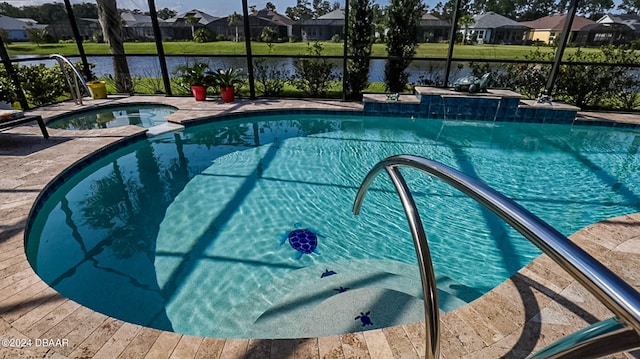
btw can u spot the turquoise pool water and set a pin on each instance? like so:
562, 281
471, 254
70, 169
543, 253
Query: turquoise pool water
183, 231
143, 115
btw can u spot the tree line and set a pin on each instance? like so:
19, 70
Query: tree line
51, 13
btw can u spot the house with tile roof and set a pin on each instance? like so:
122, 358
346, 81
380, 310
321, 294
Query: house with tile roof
258, 20
492, 28
549, 28
179, 27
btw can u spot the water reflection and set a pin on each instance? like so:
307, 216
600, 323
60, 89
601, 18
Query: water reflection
144, 116
95, 240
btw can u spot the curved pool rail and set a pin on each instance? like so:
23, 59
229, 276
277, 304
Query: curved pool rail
613, 335
77, 77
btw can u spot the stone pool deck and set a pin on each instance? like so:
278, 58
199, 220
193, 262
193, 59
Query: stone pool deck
529, 311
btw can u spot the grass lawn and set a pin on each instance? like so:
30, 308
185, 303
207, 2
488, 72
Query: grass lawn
507, 52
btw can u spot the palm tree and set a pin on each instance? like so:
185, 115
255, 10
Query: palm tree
234, 19
193, 21
464, 21
109, 19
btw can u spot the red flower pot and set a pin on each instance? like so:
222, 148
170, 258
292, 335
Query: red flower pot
199, 92
227, 93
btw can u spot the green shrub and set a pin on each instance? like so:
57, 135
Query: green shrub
313, 76
583, 85
335, 38
530, 79
625, 84
7, 90
270, 78
42, 85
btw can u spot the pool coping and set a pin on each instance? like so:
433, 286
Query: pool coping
530, 310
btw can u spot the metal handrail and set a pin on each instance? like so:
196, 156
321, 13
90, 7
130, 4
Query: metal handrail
603, 338
75, 89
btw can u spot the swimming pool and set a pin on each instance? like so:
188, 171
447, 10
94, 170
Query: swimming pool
183, 231
143, 115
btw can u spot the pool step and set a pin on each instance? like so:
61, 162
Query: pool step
163, 128
292, 303
341, 313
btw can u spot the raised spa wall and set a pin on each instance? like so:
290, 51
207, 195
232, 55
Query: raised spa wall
494, 105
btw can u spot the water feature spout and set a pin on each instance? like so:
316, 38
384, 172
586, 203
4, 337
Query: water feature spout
444, 107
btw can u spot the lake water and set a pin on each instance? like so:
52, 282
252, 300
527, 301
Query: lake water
147, 66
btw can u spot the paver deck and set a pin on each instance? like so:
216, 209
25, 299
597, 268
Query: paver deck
536, 306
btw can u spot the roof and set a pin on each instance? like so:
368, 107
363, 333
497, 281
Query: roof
321, 22
428, 20
631, 20
556, 22
491, 20
607, 27
274, 17
333, 15
9, 23
134, 19
203, 16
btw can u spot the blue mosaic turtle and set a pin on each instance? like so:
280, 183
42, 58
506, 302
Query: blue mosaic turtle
303, 240
364, 319
327, 273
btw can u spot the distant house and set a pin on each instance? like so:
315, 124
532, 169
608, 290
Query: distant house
17, 28
604, 34
87, 28
137, 26
321, 29
631, 20
282, 25
433, 29
492, 28
180, 27
547, 29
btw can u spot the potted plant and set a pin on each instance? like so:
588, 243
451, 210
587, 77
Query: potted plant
7, 94
226, 81
196, 77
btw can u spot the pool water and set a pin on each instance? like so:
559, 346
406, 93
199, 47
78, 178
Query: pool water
143, 115
189, 231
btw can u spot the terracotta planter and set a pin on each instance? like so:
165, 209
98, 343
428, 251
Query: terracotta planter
199, 92
227, 93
